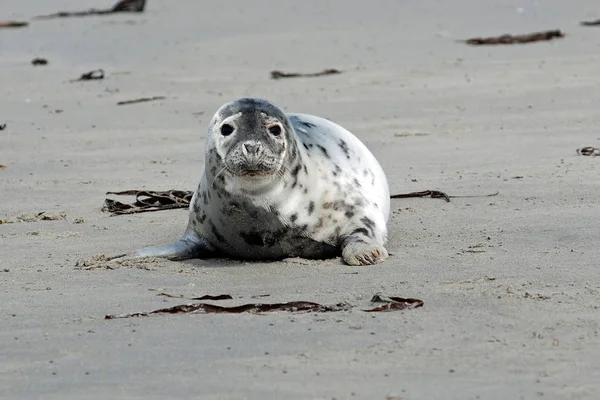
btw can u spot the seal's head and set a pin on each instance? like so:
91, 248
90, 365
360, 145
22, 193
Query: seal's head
252, 139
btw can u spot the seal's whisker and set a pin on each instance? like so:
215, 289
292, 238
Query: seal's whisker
215, 178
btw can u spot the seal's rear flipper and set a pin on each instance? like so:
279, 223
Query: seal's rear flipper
188, 247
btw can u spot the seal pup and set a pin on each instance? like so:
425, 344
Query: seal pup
279, 185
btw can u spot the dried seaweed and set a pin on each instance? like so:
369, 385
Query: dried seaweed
435, 194
2, 127
147, 201
205, 297
590, 23
39, 61
515, 39
253, 308
136, 6
94, 75
589, 151
13, 24
394, 303
279, 74
140, 100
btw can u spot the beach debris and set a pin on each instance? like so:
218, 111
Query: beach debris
95, 74
140, 100
122, 6
147, 200
387, 304
589, 151
39, 61
590, 23
3, 166
13, 24
252, 308
279, 74
515, 39
2, 127
205, 297
436, 194
393, 303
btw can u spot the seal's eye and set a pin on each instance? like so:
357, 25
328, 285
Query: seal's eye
275, 130
226, 129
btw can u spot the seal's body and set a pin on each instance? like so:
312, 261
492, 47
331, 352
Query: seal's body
277, 185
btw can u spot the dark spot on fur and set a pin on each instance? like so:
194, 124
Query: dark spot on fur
196, 208
338, 205
323, 150
307, 124
368, 222
274, 211
305, 170
311, 207
252, 238
294, 217
305, 146
305, 190
356, 182
362, 231
344, 147
302, 228
202, 218
215, 232
296, 170
349, 214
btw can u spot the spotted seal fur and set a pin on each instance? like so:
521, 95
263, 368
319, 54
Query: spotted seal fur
279, 185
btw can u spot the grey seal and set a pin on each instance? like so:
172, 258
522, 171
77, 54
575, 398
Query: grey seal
279, 185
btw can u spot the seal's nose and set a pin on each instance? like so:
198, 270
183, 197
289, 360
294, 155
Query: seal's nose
251, 148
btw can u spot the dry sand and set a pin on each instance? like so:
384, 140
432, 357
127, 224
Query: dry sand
511, 284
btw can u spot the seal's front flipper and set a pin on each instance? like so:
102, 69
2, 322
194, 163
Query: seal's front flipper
360, 253
188, 247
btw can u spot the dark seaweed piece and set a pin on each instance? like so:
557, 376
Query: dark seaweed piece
205, 297
590, 23
394, 303
39, 61
253, 308
146, 201
516, 39
589, 151
279, 74
122, 6
434, 194
93, 75
13, 24
140, 100
2, 127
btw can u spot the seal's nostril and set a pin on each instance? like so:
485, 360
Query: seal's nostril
251, 148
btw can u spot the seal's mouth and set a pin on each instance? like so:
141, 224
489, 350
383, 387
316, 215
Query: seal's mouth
254, 173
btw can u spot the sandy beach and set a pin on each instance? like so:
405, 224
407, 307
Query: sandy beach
510, 283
